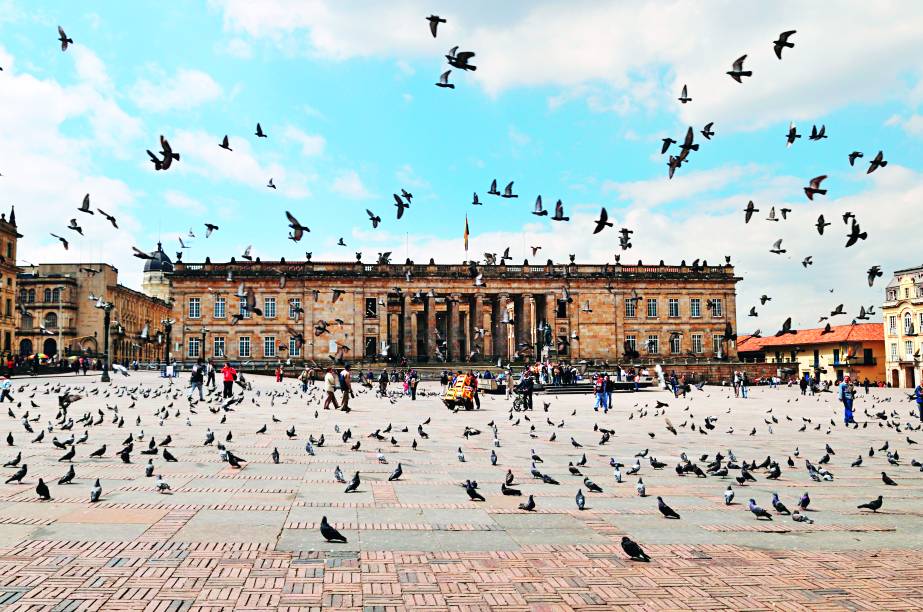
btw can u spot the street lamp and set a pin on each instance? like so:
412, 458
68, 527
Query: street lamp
203, 331
167, 327
107, 308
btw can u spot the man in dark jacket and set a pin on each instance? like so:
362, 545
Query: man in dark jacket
526, 387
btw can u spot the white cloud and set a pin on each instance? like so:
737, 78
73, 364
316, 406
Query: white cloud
407, 177
618, 54
201, 155
350, 185
175, 199
660, 190
311, 144
912, 124
182, 91
239, 48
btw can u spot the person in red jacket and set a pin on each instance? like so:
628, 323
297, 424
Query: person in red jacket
229, 375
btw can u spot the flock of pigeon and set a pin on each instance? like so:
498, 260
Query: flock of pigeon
174, 418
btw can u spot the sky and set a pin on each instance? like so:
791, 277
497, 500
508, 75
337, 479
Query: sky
569, 100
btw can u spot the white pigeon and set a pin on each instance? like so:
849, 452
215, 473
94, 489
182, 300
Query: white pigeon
728, 496
642, 491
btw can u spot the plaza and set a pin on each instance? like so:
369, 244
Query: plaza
224, 538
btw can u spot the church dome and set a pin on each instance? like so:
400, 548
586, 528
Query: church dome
160, 261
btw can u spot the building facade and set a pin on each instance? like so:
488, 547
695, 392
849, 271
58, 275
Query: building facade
61, 317
857, 350
902, 314
9, 237
315, 310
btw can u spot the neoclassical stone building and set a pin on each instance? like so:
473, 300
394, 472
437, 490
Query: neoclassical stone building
61, 318
9, 237
312, 310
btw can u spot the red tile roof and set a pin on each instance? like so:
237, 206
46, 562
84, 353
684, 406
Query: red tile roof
750, 344
839, 334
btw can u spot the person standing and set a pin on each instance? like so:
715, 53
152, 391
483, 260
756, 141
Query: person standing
346, 385
526, 386
846, 393
866, 383
196, 376
414, 379
330, 387
210, 371
303, 379
228, 376
444, 381
278, 373
803, 384
744, 385
918, 395
383, 383
474, 389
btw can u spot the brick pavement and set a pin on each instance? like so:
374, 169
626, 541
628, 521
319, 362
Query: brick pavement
248, 539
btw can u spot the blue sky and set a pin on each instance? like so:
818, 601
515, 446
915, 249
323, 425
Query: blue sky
569, 101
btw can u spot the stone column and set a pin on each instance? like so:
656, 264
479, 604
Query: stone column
528, 320
485, 320
429, 314
475, 316
502, 334
454, 327
407, 327
384, 325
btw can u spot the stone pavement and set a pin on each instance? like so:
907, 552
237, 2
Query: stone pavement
249, 539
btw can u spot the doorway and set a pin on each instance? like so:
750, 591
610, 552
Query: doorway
895, 379
910, 378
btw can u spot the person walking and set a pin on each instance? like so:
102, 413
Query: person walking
803, 384
330, 387
209, 373
228, 376
383, 383
303, 379
444, 381
196, 377
474, 389
5, 385
599, 390
744, 385
346, 385
866, 383
413, 380
846, 393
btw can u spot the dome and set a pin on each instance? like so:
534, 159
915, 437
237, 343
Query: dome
160, 262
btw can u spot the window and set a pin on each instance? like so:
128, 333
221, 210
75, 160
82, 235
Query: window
269, 308
716, 343
9, 250
836, 356
696, 343
294, 305
9, 308
194, 346
561, 310
652, 308
908, 349
26, 322
892, 325
716, 307
221, 303
894, 351
908, 324
23, 296
269, 346
219, 346
630, 304
673, 306
631, 342
371, 347
371, 309
674, 344
294, 350
906, 293
243, 346
892, 295
31, 296
921, 322
244, 312
195, 308
51, 320
653, 343
695, 308
47, 295
56, 295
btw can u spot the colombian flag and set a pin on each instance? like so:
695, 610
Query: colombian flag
466, 233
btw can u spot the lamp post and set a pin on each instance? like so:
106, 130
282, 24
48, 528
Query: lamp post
167, 327
107, 309
203, 331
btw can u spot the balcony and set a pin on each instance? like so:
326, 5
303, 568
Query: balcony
64, 331
855, 362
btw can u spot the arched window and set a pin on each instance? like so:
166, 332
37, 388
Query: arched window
47, 295
26, 322
56, 295
908, 323
31, 296
51, 320
23, 296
